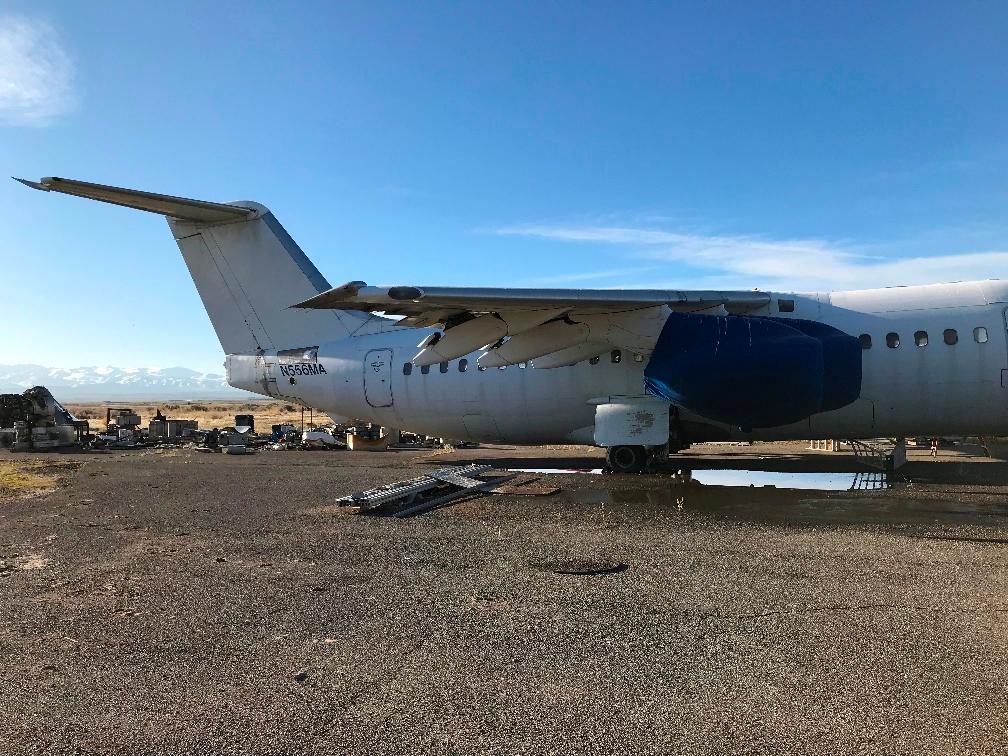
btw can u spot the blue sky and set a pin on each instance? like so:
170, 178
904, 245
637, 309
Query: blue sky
790, 146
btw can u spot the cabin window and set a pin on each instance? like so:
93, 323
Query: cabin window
407, 368
892, 340
865, 340
502, 367
594, 360
523, 365
616, 356
480, 368
980, 335
785, 305
463, 364
951, 337
444, 367
425, 369
920, 338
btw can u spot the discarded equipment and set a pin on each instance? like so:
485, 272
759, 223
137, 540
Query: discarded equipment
163, 429
429, 491
35, 420
321, 438
370, 437
125, 418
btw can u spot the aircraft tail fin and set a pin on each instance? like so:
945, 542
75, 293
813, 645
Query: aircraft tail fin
247, 268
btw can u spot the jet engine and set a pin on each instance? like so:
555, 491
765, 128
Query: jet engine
753, 372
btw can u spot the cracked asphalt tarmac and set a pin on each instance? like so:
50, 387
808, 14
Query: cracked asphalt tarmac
176, 602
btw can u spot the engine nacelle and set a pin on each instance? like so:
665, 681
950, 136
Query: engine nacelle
753, 372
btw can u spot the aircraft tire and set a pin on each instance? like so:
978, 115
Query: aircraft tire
626, 459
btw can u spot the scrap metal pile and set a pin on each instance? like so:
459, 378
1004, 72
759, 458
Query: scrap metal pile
35, 420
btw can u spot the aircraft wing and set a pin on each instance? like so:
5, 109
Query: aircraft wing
432, 305
553, 327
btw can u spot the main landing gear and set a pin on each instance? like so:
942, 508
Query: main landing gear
626, 459
635, 459
624, 421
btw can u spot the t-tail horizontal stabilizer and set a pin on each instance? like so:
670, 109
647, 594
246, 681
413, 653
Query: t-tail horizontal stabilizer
246, 268
197, 211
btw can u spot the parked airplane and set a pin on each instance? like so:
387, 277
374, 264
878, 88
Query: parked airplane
640, 372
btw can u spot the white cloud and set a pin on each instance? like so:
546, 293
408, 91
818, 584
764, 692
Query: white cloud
36, 74
594, 275
747, 262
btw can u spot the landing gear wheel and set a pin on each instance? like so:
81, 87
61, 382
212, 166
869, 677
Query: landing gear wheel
626, 459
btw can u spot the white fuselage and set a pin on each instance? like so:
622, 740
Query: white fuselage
913, 388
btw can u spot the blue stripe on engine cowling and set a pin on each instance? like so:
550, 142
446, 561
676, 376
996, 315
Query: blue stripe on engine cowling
753, 372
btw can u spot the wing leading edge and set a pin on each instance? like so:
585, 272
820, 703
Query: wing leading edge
429, 305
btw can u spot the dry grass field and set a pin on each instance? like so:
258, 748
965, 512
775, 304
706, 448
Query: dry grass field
209, 414
22, 477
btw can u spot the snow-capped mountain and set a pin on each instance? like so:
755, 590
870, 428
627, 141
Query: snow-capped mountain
85, 384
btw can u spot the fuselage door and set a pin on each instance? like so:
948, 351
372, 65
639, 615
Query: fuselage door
378, 377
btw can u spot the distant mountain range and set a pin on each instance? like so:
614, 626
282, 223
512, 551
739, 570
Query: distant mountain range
94, 384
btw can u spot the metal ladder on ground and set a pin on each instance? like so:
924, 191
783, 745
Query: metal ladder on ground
429, 491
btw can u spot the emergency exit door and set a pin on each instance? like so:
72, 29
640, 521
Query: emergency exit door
378, 377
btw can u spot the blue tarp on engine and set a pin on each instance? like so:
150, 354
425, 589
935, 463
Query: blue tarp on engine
841, 361
753, 372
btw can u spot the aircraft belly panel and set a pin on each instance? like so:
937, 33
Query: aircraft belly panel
481, 428
856, 420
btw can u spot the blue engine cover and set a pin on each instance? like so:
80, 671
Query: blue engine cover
753, 372
841, 362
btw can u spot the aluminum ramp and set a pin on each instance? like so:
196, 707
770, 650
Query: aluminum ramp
429, 491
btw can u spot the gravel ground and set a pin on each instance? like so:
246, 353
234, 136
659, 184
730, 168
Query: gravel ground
174, 602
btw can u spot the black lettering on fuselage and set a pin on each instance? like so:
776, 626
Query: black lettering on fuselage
302, 368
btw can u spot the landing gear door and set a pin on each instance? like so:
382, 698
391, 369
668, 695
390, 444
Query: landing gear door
632, 421
378, 377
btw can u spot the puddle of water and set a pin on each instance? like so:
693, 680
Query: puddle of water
791, 498
815, 481
805, 481
555, 470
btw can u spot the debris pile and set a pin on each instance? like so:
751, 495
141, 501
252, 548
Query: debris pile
35, 420
123, 430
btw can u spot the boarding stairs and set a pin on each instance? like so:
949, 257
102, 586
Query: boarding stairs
429, 491
879, 455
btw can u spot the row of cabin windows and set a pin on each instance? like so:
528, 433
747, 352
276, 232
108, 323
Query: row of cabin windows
615, 357
950, 336
463, 365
